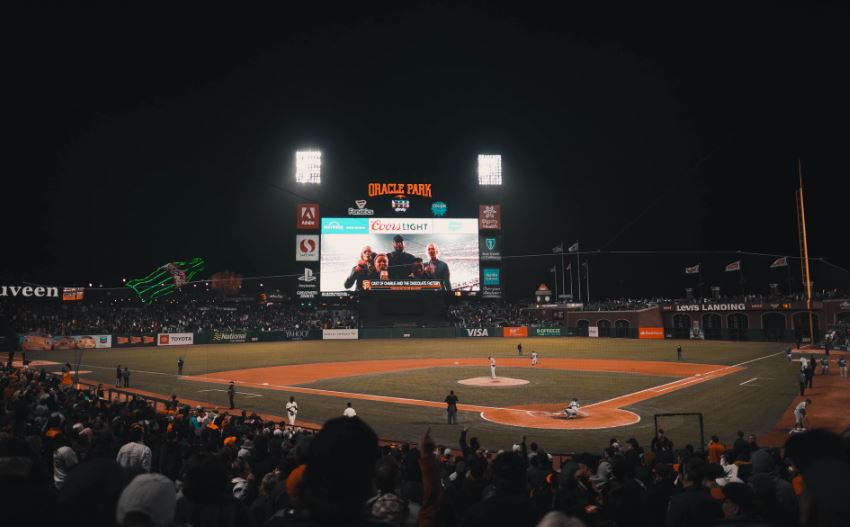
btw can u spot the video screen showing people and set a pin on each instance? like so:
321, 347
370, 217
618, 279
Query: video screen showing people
360, 254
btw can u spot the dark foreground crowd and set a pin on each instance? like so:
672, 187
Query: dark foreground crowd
68, 457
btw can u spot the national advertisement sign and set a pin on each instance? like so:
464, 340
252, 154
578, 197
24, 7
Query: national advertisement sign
308, 283
593, 331
491, 248
339, 334
175, 339
229, 337
651, 333
547, 332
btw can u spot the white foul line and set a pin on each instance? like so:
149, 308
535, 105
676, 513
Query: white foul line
745, 382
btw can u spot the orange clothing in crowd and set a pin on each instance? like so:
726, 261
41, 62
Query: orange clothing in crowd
715, 450
797, 484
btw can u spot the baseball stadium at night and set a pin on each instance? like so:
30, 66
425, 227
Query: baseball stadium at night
440, 265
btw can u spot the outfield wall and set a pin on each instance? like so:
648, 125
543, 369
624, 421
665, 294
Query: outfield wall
100, 342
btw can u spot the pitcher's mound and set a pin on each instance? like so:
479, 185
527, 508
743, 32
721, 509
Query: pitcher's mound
488, 381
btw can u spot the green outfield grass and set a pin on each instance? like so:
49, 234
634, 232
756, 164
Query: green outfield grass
726, 404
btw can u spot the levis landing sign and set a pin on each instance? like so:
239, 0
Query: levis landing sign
27, 291
711, 307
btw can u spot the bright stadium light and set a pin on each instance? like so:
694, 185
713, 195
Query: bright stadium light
489, 169
308, 166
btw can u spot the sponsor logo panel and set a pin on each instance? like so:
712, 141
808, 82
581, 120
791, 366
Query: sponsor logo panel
306, 248
307, 216
515, 331
345, 225
391, 226
29, 291
547, 332
477, 332
360, 209
593, 331
340, 334
490, 217
229, 337
651, 333
126, 341
400, 205
491, 248
439, 209
175, 339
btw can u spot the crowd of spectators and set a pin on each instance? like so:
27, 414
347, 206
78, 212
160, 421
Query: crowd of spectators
489, 314
169, 316
68, 456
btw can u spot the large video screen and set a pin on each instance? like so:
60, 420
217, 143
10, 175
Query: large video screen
392, 254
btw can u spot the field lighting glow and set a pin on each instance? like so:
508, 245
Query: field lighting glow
308, 166
489, 169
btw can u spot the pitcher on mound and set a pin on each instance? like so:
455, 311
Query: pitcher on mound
492, 367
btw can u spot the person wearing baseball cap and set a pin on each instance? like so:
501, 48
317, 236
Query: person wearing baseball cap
401, 262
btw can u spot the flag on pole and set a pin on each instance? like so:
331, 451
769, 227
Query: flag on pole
554, 269
780, 262
734, 266
573, 248
558, 248
692, 270
165, 279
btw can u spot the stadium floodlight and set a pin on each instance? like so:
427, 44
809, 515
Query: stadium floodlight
489, 169
308, 166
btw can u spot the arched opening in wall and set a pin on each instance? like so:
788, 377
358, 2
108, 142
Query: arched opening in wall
711, 323
774, 326
604, 326
681, 326
738, 324
801, 327
621, 328
582, 326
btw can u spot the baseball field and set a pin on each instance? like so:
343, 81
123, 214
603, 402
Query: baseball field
398, 386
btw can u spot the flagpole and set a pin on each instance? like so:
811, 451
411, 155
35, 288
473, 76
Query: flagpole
571, 283
587, 277
578, 263
555, 272
562, 269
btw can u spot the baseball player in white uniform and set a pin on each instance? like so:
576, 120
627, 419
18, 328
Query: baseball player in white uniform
800, 414
492, 367
571, 410
533, 359
291, 411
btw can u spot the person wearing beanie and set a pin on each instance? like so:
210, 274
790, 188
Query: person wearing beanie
150, 499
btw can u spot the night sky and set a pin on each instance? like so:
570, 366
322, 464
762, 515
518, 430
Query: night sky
144, 135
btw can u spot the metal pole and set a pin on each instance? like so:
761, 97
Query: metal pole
587, 277
578, 263
562, 269
571, 282
555, 272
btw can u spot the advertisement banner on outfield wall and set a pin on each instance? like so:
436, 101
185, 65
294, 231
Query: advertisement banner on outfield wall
46, 342
229, 337
339, 334
479, 332
651, 333
547, 332
175, 339
517, 331
593, 331
128, 341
